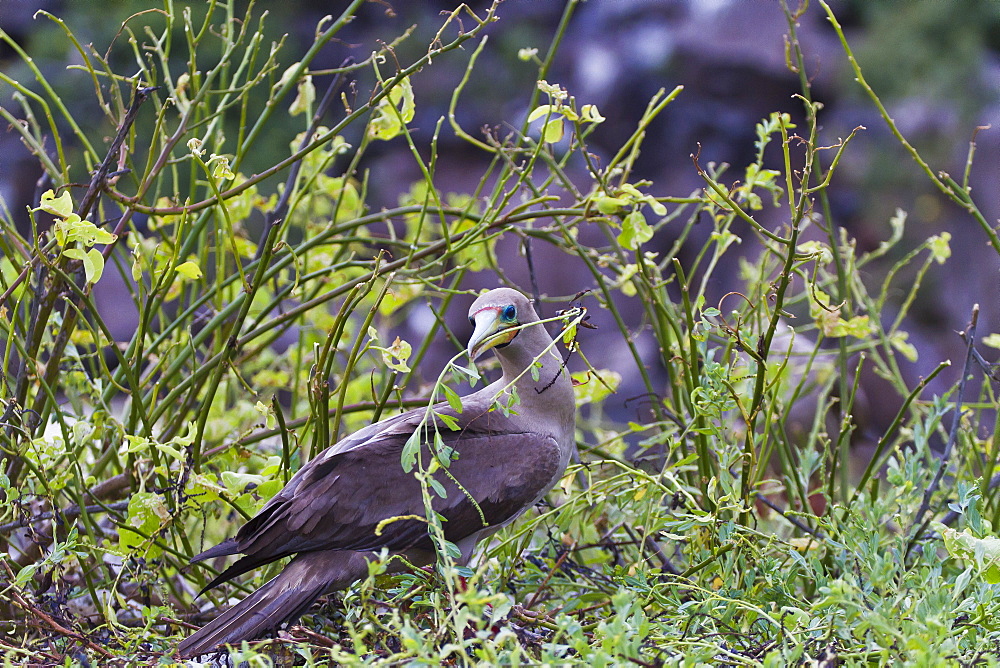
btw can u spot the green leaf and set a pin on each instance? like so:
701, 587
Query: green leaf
554, 128
452, 550
624, 280
408, 458
24, 575
437, 487
237, 483
608, 205
73, 229
590, 114
147, 513
635, 231
396, 355
590, 390
454, 400
61, 206
93, 265
303, 102
171, 452
268, 489
393, 112
539, 112
221, 169
940, 247
818, 250
568, 336
448, 420
136, 264
553, 131
658, 207
900, 343
189, 270
992, 340
983, 552
93, 262
267, 412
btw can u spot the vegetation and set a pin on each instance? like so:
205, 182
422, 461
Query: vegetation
267, 302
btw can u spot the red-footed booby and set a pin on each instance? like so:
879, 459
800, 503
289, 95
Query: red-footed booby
329, 514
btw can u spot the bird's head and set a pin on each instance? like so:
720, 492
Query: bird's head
496, 317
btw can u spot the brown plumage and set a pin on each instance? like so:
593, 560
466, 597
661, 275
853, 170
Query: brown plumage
329, 512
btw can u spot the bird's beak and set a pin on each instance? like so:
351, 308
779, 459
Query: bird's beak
489, 332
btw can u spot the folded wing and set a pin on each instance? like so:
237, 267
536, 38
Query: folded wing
346, 497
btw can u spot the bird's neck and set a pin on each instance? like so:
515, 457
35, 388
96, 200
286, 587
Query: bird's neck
536, 370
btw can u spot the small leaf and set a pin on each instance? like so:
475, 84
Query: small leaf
221, 169
624, 281
590, 114
470, 373
817, 249
189, 270
593, 390
25, 574
93, 262
658, 207
103, 236
940, 247
992, 340
393, 111
61, 206
269, 488
237, 483
93, 265
538, 112
452, 550
553, 131
437, 487
900, 343
306, 96
608, 205
449, 421
984, 553
396, 355
408, 458
568, 336
171, 452
267, 412
147, 513
858, 327
635, 231
454, 400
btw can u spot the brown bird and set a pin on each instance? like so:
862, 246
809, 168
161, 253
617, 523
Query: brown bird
329, 513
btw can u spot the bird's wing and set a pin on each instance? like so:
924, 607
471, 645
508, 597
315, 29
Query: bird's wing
342, 498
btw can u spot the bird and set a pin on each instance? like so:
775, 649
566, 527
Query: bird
510, 444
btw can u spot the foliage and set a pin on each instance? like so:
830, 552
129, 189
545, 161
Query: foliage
726, 528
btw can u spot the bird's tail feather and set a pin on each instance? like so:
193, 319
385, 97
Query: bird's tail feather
283, 599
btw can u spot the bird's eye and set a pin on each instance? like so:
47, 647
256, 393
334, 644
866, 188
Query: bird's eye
472, 321
510, 313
